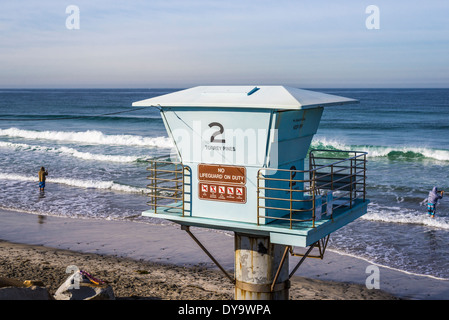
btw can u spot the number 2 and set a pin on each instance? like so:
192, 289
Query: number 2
216, 133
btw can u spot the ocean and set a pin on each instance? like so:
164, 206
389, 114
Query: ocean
94, 145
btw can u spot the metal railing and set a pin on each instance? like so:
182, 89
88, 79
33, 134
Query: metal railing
335, 179
167, 184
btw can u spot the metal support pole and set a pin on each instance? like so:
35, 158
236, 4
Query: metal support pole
301, 261
187, 229
261, 269
281, 264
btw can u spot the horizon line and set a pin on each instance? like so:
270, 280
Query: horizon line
186, 87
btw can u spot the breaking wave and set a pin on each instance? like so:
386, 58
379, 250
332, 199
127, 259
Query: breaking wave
71, 152
406, 152
89, 137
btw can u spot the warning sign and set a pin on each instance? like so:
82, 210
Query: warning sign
223, 174
222, 193
222, 183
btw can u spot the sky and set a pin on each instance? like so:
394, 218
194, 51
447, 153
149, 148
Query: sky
178, 44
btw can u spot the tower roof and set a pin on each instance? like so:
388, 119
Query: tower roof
262, 97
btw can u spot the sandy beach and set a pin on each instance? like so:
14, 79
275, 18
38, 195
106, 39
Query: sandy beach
132, 279
160, 262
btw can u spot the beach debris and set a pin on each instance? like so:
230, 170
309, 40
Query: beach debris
83, 286
13, 289
142, 271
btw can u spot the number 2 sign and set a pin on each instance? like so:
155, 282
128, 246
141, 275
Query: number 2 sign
216, 133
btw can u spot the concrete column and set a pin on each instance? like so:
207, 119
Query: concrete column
256, 263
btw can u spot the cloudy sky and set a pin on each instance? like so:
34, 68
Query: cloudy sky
165, 43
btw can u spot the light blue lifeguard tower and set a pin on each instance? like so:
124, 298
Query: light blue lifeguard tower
240, 164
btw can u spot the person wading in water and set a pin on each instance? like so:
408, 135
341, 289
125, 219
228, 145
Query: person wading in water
432, 201
42, 176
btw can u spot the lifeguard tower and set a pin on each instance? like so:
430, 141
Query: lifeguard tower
242, 163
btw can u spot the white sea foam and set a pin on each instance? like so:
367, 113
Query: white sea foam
89, 137
405, 216
95, 184
98, 157
71, 152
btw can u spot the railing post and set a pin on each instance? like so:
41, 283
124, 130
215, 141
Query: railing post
310, 160
364, 177
350, 186
155, 187
313, 198
176, 181
258, 197
183, 190
332, 177
291, 197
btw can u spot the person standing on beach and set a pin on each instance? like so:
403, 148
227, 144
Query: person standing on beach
432, 201
42, 176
